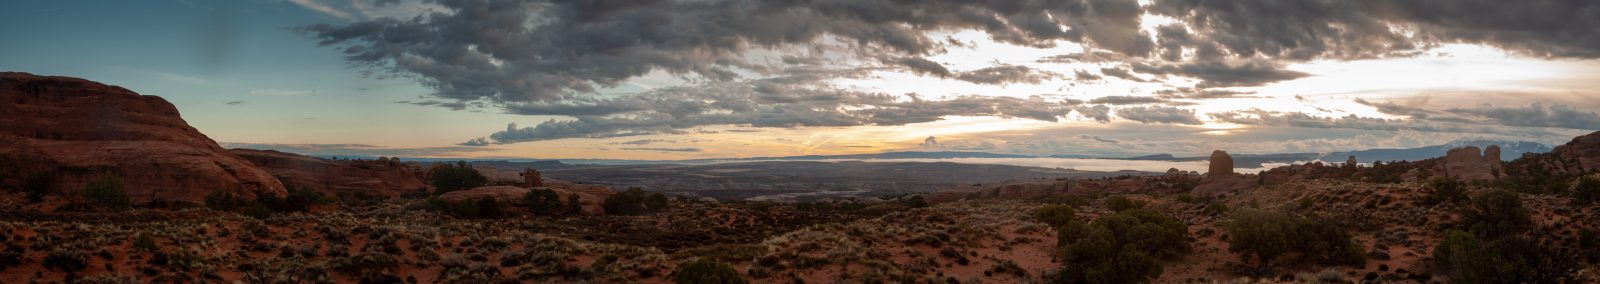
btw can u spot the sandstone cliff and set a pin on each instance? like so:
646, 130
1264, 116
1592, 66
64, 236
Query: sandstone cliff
384, 177
77, 130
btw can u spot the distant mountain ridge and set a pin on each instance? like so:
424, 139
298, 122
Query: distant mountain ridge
1509, 150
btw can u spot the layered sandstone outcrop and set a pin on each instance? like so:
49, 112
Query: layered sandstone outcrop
77, 130
1221, 164
1469, 164
386, 177
1579, 156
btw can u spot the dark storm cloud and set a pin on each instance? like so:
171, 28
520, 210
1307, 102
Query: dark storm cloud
1299, 119
922, 66
1535, 115
1203, 94
516, 51
1224, 74
1098, 139
1121, 73
780, 102
1310, 29
1170, 115
1080, 75
1006, 74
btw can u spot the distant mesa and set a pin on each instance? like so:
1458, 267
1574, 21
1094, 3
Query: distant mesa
77, 130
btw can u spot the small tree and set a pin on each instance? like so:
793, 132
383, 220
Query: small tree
106, 192
1446, 190
574, 205
1055, 215
36, 185
1120, 203
1125, 247
545, 202
1586, 191
706, 271
1496, 213
1264, 235
452, 177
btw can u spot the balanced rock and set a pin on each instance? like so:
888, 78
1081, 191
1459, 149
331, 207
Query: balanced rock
1221, 164
77, 130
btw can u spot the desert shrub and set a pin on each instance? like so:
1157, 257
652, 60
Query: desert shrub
545, 202
1586, 191
915, 201
1074, 200
1121, 203
224, 201
1466, 258
1216, 208
1588, 238
1125, 247
1446, 190
634, 201
706, 271
36, 185
144, 242
1266, 235
574, 205
11, 256
255, 210
363, 198
66, 260
107, 192
1495, 213
483, 208
296, 200
1055, 215
447, 177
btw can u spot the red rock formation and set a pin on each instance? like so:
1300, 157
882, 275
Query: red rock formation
385, 176
1221, 164
1580, 156
531, 178
1468, 164
78, 130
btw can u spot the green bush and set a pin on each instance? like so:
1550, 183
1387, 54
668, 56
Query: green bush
1586, 191
574, 205
66, 260
634, 201
483, 208
1266, 235
1055, 215
545, 202
1125, 247
706, 271
144, 242
1121, 203
1466, 258
224, 201
447, 177
106, 192
1446, 190
1496, 213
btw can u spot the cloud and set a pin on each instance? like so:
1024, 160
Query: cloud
641, 142
1006, 74
1535, 115
1127, 100
665, 149
323, 8
1170, 115
1225, 74
1098, 139
1397, 109
931, 142
1122, 73
923, 66
233, 103
480, 141
799, 100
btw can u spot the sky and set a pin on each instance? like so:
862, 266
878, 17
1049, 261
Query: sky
692, 79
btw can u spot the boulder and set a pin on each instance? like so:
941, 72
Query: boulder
78, 130
1221, 164
385, 177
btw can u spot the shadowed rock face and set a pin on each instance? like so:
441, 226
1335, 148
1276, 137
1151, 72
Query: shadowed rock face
1221, 164
78, 130
384, 177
